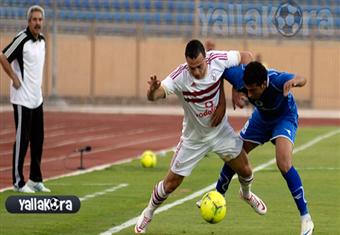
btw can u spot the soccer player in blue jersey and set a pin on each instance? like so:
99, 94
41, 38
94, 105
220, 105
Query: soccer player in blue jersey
275, 119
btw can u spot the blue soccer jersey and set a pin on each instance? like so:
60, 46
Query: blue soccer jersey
275, 115
272, 103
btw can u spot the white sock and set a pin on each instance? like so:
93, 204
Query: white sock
245, 185
158, 196
306, 216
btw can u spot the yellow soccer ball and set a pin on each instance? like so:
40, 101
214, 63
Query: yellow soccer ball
213, 207
148, 159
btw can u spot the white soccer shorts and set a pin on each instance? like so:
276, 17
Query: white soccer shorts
227, 144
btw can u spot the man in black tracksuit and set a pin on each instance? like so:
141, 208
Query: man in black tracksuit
23, 61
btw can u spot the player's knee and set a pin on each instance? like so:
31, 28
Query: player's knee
248, 171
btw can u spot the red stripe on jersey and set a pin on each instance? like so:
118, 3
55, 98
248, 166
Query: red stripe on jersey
212, 55
201, 100
217, 57
220, 53
202, 92
178, 71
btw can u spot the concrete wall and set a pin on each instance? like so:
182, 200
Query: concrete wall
106, 66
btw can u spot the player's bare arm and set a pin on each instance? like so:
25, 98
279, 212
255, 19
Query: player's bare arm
155, 90
238, 99
246, 57
220, 109
297, 81
8, 69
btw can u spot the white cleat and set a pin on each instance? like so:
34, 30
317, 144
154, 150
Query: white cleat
307, 225
198, 203
37, 186
24, 189
142, 223
255, 202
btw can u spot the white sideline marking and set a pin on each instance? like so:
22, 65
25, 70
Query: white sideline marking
84, 184
212, 186
103, 192
166, 207
92, 169
309, 169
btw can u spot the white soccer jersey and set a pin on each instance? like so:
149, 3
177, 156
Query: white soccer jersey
199, 97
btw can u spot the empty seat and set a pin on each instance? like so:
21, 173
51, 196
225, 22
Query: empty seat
190, 6
126, 5
118, 17
147, 5
104, 16
167, 18
158, 5
137, 4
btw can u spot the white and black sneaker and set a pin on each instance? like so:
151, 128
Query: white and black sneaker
307, 225
24, 189
37, 186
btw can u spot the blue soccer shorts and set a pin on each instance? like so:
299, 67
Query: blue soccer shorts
259, 131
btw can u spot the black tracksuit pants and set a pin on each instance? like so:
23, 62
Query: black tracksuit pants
29, 124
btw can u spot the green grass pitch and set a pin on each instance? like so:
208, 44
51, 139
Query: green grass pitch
318, 165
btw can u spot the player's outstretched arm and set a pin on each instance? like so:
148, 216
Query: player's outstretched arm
297, 81
8, 69
246, 57
155, 90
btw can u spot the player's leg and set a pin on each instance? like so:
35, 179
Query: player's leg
284, 148
230, 147
227, 173
242, 167
252, 135
284, 136
159, 194
185, 159
162, 190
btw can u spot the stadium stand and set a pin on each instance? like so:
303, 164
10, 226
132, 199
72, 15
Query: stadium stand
178, 16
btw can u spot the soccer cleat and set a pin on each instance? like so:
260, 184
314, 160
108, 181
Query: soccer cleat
198, 203
24, 189
37, 186
307, 226
255, 202
142, 223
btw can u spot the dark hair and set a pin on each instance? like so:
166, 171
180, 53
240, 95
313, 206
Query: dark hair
194, 48
255, 72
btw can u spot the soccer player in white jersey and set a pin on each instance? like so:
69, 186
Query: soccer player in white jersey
197, 85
